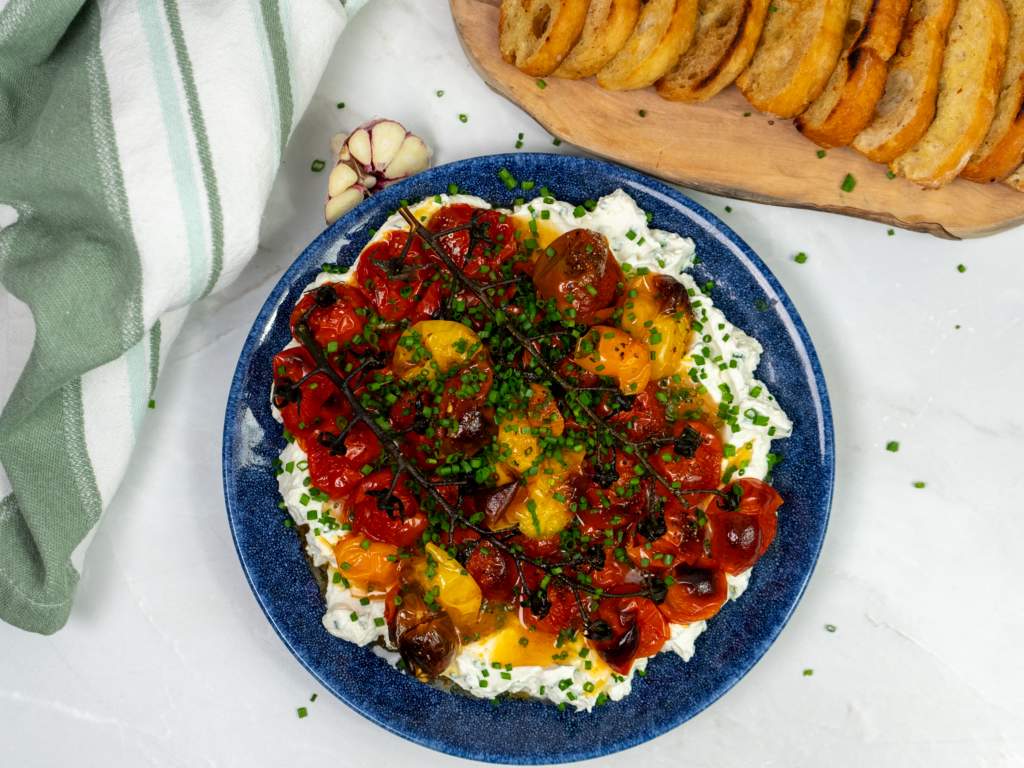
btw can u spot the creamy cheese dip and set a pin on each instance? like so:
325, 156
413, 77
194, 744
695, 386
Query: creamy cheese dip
720, 357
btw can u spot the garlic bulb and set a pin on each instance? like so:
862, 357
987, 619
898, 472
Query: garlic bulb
372, 157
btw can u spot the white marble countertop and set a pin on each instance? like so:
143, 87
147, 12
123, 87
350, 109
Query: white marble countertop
167, 659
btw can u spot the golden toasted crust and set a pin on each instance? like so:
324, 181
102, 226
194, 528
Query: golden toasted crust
906, 109
858, 81
608, 27
725, 40
798, 50
968, 91
1003, 148
1016, 179
663, 32
536, 35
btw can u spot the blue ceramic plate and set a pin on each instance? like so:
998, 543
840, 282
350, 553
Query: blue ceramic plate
520, 731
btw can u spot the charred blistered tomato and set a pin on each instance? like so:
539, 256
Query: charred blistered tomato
696, 594
740, 536
496, 247
679, 535
301, 404
612, 352
614, 573
694, 459
337, 312
336, 469
539, 548
638, 628
395, 285
552, 609
425, 637
613, 497
644, 418
579, 271
656, 310
390, 515
493, 570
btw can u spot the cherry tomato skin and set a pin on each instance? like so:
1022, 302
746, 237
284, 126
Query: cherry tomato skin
619, 505
739, 538
645, 419
404, 529
538, 549
493, 571
564, 613
736, 541
697, 594
580, 272
338, 322
456, 245
683, 540
338, 476
394, 299
704, 470
623, 614
290, 366
614, 573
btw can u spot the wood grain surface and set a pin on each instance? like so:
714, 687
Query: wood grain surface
712, 147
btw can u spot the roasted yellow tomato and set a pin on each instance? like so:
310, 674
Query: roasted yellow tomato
542, 508
656, 310
518, 446
542, 412
457, 592
613, 352
365, 563
432, 347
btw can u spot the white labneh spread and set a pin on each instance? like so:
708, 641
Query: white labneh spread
720, 356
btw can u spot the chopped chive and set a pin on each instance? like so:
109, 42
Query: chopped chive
892, 446
808, 672
440, 94
643, 113
541, 84
302, 712
848, 183
919, 485
463, 118
961, 268
152, 403
890, 174
821, 153
341, 105
830, 627
728, 209
557, 142
892, 232
800, 258
317, 166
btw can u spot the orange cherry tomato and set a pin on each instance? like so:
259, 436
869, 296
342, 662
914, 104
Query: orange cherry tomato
639, 630
366, 563
612, 352
697, 594
579, 271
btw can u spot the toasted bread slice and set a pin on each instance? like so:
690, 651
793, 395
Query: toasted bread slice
906, 109
798, 50
537, 35
663, 32
609, 25
1016, 179
968, 91
1002, 151
846, 105
726, 36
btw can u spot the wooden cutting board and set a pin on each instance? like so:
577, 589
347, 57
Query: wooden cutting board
713, 148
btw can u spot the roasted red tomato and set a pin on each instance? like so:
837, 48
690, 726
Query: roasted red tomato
290, 366
339, 475
694, 460
539, 548
564, 612
485, 263
614, 573
615, 497
644, 419
639, 630
740, 537
683, 541
400, 523
394, 285
334, 316
579, 271
494, 571
695, 595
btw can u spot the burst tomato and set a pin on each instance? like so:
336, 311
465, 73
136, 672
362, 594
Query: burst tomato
367, 564
696, 594
337, 320
740, 537
485, 263
579, 271
394, 292
645, 419
694, 460
683, 540
615, 496
639, 630
308, 417
564, 613
400, 527
339, 475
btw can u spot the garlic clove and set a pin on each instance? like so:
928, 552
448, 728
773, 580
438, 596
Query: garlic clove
359, 146
411, 158
386, 139
338, 206
341, 178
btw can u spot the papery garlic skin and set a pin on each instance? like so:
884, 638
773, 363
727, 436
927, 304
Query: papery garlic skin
374, 156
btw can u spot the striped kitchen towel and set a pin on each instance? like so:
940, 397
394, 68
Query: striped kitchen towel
138, 143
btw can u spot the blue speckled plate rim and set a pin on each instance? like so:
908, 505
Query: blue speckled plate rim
703, 218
